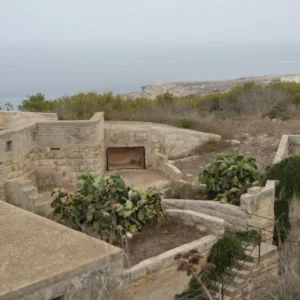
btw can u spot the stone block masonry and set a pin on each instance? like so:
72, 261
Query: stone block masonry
256, 210
70, 146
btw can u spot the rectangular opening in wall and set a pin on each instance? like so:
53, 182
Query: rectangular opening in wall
8, 146
54, 149
125, 158
34, 134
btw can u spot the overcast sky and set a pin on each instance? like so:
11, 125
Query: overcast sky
148, 20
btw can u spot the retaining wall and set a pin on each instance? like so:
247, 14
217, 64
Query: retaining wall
157, 278
255, 212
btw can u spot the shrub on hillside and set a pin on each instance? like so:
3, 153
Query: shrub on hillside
105, 207
186, 123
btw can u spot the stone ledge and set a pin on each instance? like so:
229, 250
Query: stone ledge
214, 225
166, 259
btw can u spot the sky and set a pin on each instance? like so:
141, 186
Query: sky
64, 21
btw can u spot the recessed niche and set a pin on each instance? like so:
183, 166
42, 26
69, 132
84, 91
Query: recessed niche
8, 147
125, 158
34, 134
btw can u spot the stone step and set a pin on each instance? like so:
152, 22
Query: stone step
231, 291
44, 209
25, 183
240, 273
238, 282
246, 265
266, 251
30, 190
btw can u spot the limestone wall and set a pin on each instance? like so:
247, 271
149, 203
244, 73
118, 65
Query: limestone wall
121, 134
157, 278
72, 146
204, 223
156, 138
162, 164
255, 212
11, 119
69, 147
18, 154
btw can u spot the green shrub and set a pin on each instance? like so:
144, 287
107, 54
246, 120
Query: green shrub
282, 221
287, 173
105, 207
186, 123
230, 176
224, 254
37, 103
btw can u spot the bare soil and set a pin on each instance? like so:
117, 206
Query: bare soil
156, 238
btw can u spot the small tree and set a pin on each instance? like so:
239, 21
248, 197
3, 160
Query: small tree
37, 103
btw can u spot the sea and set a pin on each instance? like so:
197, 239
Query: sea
59, 69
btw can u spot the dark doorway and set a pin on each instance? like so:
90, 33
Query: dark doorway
125, 158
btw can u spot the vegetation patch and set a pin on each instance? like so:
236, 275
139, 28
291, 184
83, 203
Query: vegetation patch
230, 176
106, 208
287, 173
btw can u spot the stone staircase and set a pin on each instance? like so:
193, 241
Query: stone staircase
248, 276
48, 178
25, 194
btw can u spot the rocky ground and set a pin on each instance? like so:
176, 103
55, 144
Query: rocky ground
259, 138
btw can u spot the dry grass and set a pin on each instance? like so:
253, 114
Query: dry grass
287, 286
259, 136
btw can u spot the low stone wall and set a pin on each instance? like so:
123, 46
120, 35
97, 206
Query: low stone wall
11, 119
255, 212
157, 278
235, 218
161, 164
182, 189
204, 223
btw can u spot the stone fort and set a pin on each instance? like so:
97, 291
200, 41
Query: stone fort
43, 260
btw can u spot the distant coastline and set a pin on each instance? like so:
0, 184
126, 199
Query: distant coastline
180, 89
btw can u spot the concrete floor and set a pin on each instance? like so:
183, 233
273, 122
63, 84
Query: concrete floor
143, 179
